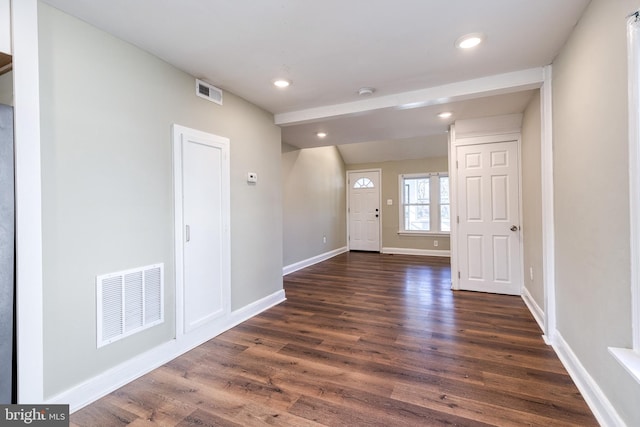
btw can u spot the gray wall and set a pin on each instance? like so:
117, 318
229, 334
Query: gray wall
7, 253
390, 214
313, 182
592, 200
532, 200
6, 88
107, 202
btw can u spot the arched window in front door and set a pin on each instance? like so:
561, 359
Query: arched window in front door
363, 183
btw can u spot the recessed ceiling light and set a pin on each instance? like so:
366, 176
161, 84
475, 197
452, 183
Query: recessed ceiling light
282, 83
366, 91
445, 114
469, 40
321, 134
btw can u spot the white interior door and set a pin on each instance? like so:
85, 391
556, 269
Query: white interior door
488, 208
364, 210
202, 220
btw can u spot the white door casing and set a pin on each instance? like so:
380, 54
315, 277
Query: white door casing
488, 229
364, 212
202, 212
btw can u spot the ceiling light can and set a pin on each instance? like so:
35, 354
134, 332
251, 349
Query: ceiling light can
366, 91
469, 41
282, 83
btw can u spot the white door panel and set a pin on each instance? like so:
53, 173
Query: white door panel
488, 231
364, 210
475, 268
203, 245
202, 237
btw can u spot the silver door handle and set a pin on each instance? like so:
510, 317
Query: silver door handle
514, 228
187, 233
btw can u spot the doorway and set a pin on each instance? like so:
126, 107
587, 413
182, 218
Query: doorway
363, 210
488, 217
202, 212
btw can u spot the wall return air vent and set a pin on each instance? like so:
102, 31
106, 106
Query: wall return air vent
209, 92
128, 302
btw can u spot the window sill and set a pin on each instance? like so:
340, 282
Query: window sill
629, 359
424, 233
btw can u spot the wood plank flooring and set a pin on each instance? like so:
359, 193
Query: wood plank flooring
364, 339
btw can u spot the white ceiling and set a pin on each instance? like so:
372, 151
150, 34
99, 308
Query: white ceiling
399, 149
331, 48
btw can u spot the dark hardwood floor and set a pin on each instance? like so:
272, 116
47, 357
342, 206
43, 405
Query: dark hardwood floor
363, 339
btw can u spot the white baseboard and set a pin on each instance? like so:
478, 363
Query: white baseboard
603, 410
93, 389
248, 311
288, 269
534, 308
423, 252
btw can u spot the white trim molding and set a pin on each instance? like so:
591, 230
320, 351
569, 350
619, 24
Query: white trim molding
434, 204
601, 407
629, 358
534, 308
248, 311
548, 230
453, 208
114, 378
421, 252
425, 233
633, 48
29, 282
288, 269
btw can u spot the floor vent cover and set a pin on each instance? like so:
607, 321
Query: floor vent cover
129, 302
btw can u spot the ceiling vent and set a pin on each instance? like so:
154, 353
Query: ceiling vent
207, 91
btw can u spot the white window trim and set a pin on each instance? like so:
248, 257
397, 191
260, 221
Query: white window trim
432, 203
423, 233
630, 358
634, 169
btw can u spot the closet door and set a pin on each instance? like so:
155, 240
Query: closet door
202, 189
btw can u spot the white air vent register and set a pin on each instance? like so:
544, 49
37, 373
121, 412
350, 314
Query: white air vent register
209, 92
129, 302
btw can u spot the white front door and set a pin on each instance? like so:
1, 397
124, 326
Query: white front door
489, 218
202, 192
364, 210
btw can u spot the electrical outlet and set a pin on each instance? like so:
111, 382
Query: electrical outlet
324, 239
531, 273
435, 243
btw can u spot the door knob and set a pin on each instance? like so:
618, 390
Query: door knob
514, 228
